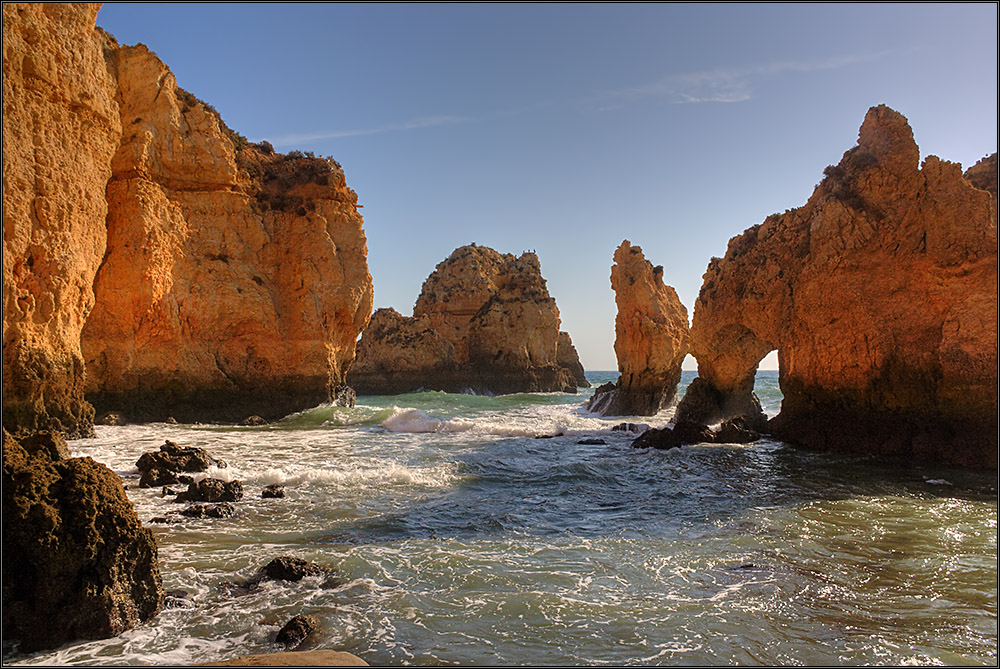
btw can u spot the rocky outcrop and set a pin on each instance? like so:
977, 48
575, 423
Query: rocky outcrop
651, 338
235, 280
60, 130
880, 296
191, 273
484, 321
77, 562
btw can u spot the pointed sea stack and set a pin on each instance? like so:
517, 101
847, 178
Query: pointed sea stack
880, 296
651, 338
484, 322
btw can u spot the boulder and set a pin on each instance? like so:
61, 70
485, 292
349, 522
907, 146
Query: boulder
223, 510
77, 563
161, 467
297, 630
287, 568
736, 430
212, 490
273, 491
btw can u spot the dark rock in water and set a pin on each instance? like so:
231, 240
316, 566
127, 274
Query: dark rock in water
273, 491
736, 431
163, 520
690, 432
286, 568
174, 458
602, 399
178, 599
630, 427
254, 420
169, 491
111, 418
662, 439
77, 563
296, 630
170, 420
223, 510
703, 404
157, 476
45, 444
590, 441
212, 490
344, 396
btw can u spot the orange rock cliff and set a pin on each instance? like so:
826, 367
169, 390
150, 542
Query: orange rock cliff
651, 338
153, 258
484, 321
880, 296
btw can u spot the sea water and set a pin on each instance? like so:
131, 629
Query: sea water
480, 530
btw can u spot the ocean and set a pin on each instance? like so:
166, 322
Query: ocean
523, 530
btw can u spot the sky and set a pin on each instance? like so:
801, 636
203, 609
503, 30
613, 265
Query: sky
567, 128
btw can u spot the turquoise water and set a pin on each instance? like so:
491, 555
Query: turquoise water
479, 530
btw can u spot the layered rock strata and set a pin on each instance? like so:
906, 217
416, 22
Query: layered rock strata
651, 338
880, 296
77, 562
484, 321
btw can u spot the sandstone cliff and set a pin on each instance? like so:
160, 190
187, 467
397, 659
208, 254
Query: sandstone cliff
235, 280
651, 338
60, 130
191, 273
484, 321
880, 296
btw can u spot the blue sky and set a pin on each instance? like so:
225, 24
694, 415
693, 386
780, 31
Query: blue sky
566, 128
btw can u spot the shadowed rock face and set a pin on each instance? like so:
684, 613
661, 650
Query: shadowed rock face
880, 296
484, 321
651, 338
77, 562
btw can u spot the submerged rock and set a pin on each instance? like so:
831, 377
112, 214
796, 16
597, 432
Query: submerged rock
651, 338
880, 295
287, 568
212, 490
273, 491
111, 418
223, 510
484, 321
253, 421
297, 630
77, 563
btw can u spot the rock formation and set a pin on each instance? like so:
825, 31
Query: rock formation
235, 280
60, 129
880, 296
193, 274
651, 338
483, 321
77, 562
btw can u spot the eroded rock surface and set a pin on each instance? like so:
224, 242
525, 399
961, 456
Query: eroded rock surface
235, 280
484, 321
77, 563
651, 338
60, 130
880, 295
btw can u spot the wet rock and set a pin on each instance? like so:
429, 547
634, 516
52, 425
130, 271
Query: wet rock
178, 599
111, 418
170, 420
287, 568
162, 467
297, 630
736, 431
223, 510
691, 432
166, 492
630, 427
157, 476
273, 491
253, 420
591, 441
212, 490
662, 439
77, 563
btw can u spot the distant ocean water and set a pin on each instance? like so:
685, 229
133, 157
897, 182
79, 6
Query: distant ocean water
479, 530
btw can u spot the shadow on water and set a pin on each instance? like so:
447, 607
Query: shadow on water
557, 486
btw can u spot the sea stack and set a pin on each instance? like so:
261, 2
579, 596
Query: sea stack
651, 338
484, 322
880, 296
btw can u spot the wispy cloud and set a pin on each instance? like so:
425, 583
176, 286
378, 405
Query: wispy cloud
726, 85
422, 122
